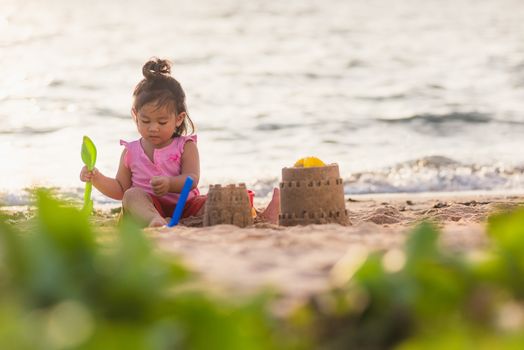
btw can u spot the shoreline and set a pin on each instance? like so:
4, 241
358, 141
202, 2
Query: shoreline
356, 204
262, 201
443, 194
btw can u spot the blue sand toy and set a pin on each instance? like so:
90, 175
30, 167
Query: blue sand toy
181, 202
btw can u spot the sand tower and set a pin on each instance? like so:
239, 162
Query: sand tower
228, 205
313, 195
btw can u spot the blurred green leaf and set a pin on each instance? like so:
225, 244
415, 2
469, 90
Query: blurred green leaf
60, 288
65, 227
12, 253
65, 285
507, 233
135, 275
421, 244
507, 230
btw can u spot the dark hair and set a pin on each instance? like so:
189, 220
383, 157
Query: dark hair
160, 87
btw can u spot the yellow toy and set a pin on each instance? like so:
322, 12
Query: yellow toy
309, 162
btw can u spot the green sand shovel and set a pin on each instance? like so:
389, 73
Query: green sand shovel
89, 159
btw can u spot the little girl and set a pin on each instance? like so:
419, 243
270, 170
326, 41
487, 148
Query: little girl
153, 169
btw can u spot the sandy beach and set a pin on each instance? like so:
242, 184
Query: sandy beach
297, 262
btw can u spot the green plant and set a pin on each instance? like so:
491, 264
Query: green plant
432, 299
62, 288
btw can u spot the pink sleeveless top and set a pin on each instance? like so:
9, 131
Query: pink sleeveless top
167, 162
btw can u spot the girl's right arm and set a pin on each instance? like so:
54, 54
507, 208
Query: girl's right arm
113, 188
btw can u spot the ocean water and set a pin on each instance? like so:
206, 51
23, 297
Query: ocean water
405, 95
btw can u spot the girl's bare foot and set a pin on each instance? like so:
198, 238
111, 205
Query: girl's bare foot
158, 221
270, 214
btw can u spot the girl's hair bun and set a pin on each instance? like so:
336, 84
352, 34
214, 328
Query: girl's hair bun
156, 68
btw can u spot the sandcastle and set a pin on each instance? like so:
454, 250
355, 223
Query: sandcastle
312, 195
228, 205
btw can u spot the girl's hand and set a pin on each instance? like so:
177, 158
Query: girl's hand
160, 185
86, 175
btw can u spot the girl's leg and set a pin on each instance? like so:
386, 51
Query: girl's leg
139, 205
195, 207
270, 214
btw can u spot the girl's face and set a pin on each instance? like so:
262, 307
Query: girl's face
157, 124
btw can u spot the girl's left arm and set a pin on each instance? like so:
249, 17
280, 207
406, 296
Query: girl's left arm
190, 167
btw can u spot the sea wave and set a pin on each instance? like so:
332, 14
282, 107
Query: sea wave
430, 118
426, 174
436, 174
26, 130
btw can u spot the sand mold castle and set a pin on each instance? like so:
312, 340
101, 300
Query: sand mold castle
228, 205
312, 195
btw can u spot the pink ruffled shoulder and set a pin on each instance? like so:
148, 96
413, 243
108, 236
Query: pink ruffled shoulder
183, 140
127, 156
178, 146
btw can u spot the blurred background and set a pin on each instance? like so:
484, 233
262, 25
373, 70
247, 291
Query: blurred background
405, 95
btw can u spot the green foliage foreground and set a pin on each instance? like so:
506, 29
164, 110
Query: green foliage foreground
62, 288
